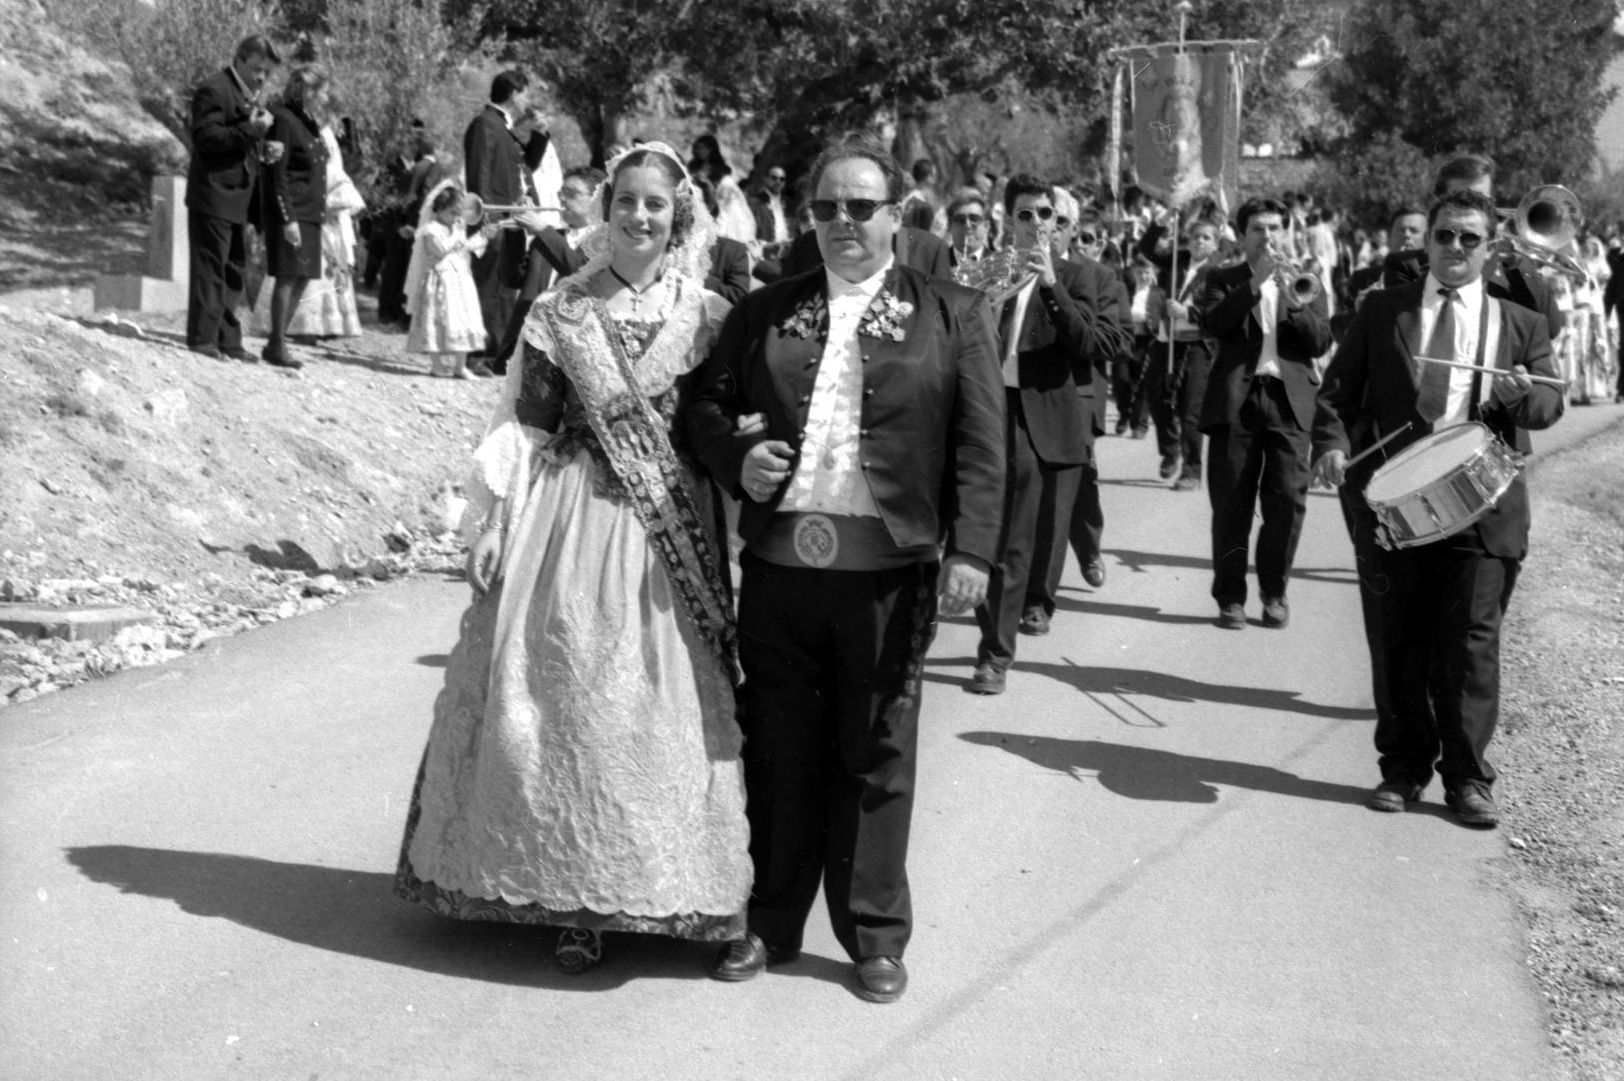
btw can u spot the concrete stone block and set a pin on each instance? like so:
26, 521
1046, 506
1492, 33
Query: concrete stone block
85, 623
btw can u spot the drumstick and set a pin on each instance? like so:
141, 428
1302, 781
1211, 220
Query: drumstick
1377, 445
1558, 383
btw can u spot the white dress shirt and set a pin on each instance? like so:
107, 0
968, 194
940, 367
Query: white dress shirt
1268, 318
828, 477
1012, 347
1469, 301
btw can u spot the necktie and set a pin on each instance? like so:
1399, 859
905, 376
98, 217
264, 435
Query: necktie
1434, 396
1006, 321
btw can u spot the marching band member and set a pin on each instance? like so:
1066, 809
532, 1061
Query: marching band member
1433, 612
1258, 409
1176, 389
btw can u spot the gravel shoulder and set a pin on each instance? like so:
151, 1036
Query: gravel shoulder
1561, 750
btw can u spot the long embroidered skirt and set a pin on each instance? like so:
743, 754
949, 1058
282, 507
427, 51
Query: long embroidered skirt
583, 765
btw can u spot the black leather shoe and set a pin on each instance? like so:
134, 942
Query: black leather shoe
987, 680
745, 958
279, 357
880, 979
1391, 796
1232, 617
1035, 622
1187, 482
1276, 612
1094, 572
1170, 466
239, 353
209, 351
1473, 805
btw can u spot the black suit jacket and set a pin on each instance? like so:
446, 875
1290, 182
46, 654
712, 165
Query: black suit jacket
932, 413
497, 168
296, 185
1070, 333
913, 248
1518, 281
1371, 389
729, 276
1225, 312
224, 170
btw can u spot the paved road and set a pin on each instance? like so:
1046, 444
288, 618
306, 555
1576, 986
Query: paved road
1147, 860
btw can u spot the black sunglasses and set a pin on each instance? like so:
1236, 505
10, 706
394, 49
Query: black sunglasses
1086, 237
775, 176
1042, 213
968, 219
856, 209
1446, 237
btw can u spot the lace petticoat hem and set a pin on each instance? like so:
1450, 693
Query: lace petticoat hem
694, 926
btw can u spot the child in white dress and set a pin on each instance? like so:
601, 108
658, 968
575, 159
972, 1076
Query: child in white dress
446, 323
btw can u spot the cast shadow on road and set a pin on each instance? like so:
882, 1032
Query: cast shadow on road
1149, 774
1140, 562
434, 660
1123, 611
1147, 683
356, 913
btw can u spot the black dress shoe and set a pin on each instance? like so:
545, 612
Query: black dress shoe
1035, 622
1391, 796
1473, 805
1170, 466
988, 679
205, 351
237, 352
880, 979
279, 357
1094, 572
745, 958
1187, 482
1276, 612
1232, 617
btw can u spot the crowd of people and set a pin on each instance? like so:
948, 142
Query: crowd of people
891, 397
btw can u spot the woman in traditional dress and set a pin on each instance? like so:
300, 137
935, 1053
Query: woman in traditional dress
583, 766
295, 203
734, 218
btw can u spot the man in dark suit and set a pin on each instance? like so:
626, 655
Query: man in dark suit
856, 411
1506, 276
1406, 234
1177, 384
775, 225
554, 254
915, 248
228, 129
500, 152
1258, 410
1433, 611
1054, 336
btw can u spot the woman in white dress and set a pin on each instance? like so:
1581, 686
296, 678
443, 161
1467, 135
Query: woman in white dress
583, 767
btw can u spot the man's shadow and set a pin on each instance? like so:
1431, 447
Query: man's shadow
1139, 562
1149, 774
1150, 683
356, 913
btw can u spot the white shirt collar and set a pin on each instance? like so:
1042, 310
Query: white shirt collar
507, 117
1471, 294
869, 287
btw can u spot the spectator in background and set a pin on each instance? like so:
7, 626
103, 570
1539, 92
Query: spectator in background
919, 206
734, 219
968, 225
729, 273
500, 151
295, 203
229, 124
775, 225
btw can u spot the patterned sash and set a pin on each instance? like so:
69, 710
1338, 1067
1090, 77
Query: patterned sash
638, 447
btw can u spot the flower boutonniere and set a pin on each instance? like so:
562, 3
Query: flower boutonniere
809, 320
885, 317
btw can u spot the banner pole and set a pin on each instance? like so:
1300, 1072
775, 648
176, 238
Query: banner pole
1176, 219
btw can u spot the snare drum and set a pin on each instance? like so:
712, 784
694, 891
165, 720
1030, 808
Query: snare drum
1440, 485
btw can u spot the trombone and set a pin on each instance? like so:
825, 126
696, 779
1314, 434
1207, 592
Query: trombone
1546, 221
477, 212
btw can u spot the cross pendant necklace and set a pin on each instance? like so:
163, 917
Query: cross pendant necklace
637, 294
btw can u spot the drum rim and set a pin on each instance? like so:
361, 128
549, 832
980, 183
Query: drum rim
1416, 449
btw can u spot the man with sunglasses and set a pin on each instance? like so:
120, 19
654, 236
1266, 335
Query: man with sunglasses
856, 412
1177, 384
1258, 411
1433, 612
913, 247
1056, 337
1506, 275
968, 227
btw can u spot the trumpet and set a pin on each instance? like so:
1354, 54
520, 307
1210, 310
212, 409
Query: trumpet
1000, 274
1299, 280
1546, 221
476, 212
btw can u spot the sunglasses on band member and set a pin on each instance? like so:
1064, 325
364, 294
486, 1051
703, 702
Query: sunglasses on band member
1446, 237
1086, 237
1042, 213
968, 219
856, 209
